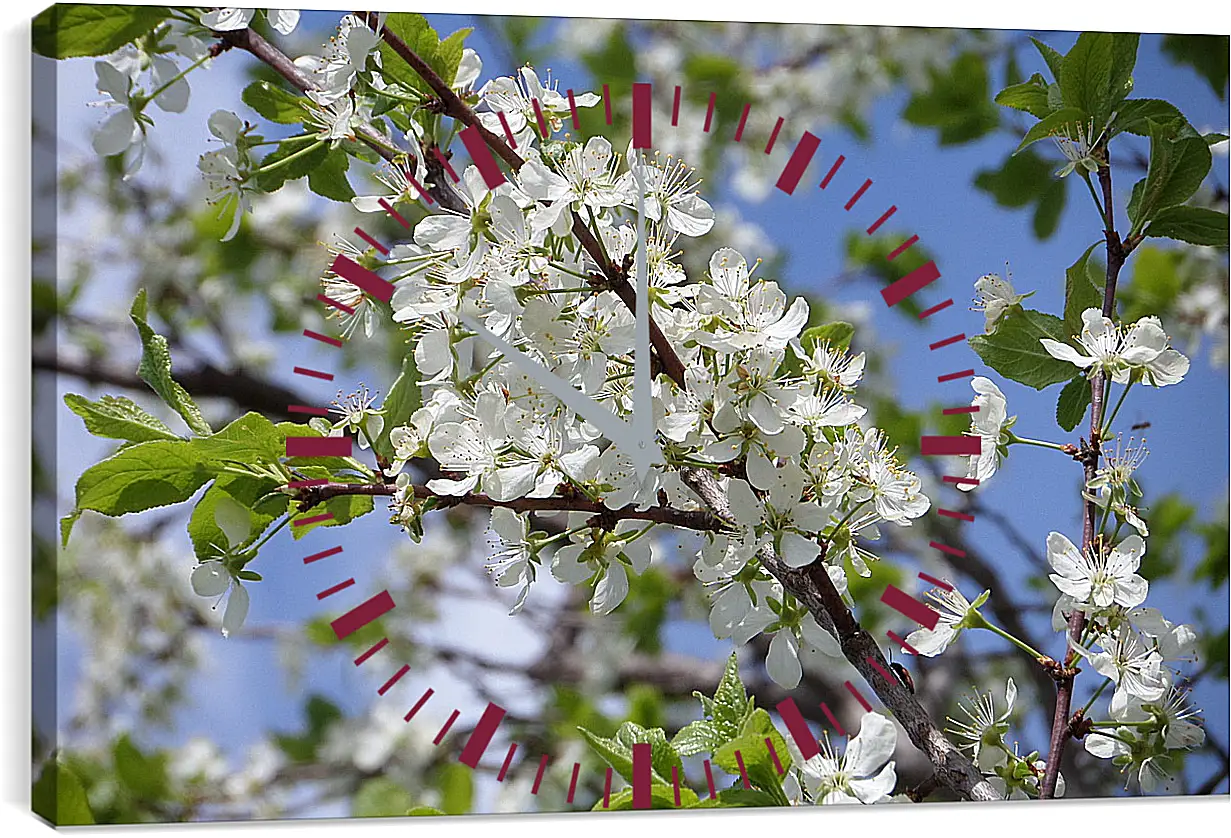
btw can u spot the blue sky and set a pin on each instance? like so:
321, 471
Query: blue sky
969, 236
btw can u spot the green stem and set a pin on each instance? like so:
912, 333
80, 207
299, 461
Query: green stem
162, 87
1094, 697
289, 158
843, 523
1014, 438
1097, 203
286, 520
995, 629
1107, 425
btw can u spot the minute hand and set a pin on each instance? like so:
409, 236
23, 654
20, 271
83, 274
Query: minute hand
642, 450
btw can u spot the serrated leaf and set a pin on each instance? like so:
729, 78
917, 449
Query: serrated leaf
1083, 289
66, 526
249, 440
118, 417
955, 101
250, 492
1177, 168
274, 103
418, 34
301, 158
1134, 116
1014, 351
1085, 77
616, 754
730, 700
663, 756
421, 811
1072, 403
1029, 96
1195, 225
143, 476
343, 508
1123, 60
661, 797
155, 370
71, 30
1055, 61
698, 737
1051, 124
838, 334
329, 178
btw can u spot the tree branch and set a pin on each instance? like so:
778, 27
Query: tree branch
1061, 728
813, 588
452, 105
603, 516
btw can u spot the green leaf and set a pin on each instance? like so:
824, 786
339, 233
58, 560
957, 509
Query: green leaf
613, 752
1195, 225
663, 756
1085, 77
738, 797
1155, 282
456, 788
274, 103
117, 417
1177, 168
1083, 289
70, 30
259, 497
443, 57
58, 796
329, 178
405, 397
1206, 54
1123, 60
1049, 209
344, 509
249, 440
302, 158
66, 526
730, 701
1051, 124
1072, 404
661, 797
837, 334
146, 777
155, 370
1055, 61
380, 797
420, 811
698, 737
1029, 96
142, 476
956, 101
1014, 351
1134, 116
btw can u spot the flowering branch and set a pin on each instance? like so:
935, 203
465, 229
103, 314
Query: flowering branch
452, 105
605, 517
1065, 676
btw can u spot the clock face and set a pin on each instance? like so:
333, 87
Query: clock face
674, 395
571, 178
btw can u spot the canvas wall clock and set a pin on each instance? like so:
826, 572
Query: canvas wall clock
445, 415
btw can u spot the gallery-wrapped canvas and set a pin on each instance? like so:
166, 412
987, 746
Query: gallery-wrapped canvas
450, 414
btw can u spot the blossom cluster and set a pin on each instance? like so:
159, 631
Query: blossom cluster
1131, 645
768, 411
